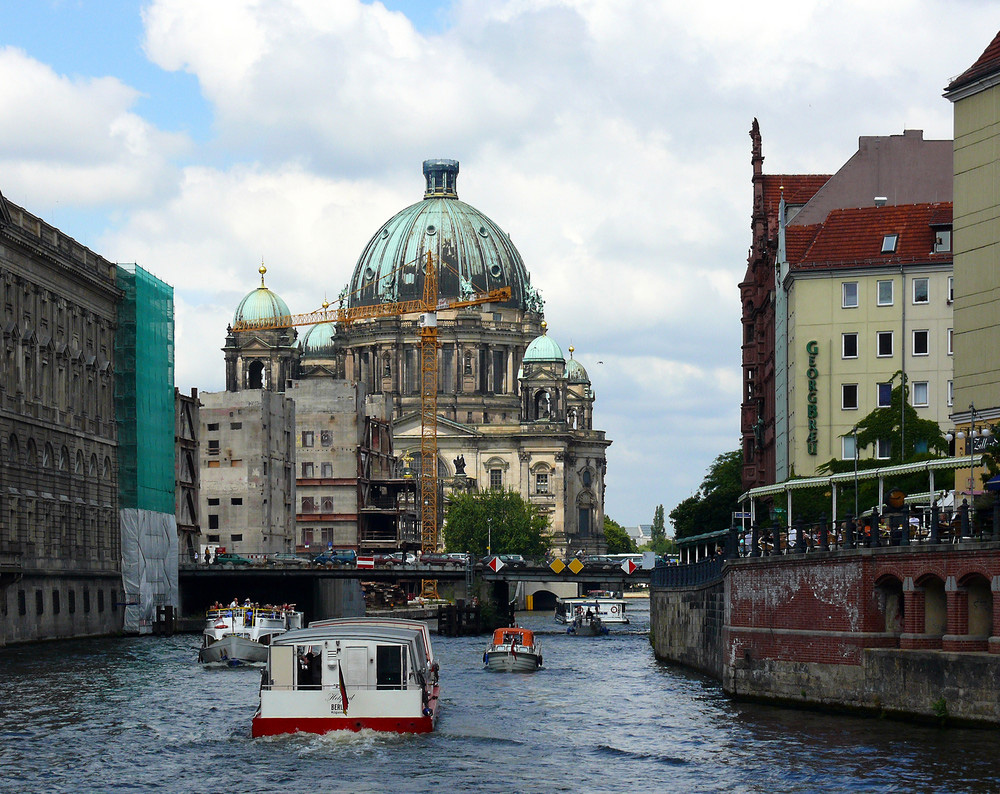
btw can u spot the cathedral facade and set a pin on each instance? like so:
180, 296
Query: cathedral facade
513, 411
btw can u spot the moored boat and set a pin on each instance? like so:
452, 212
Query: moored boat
513, 650
236, 635
350, 674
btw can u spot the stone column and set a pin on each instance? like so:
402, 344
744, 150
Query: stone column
913, 615
956, 633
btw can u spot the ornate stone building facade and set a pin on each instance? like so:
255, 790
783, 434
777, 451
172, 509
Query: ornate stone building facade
60, 548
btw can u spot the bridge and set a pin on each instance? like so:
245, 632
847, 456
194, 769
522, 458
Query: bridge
319, 590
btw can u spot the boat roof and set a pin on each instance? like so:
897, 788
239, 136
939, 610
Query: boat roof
417, 626
590, 600
503, 636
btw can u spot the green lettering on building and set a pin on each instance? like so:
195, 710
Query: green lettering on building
812, 440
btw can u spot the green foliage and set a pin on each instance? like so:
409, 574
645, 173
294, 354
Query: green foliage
711, 508
899, 420
617, 538
659, 531
502, 518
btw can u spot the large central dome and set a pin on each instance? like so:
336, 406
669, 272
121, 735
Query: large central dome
471, 253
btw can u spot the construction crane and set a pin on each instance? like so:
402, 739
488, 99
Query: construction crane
428, 308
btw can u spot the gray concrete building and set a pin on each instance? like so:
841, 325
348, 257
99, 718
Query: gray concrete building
247, 460
60, 548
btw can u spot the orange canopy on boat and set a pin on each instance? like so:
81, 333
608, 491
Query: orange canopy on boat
505, 636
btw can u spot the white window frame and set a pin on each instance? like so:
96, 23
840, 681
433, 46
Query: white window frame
843, 397
921, 385
927, 286
878, 344
843, 294
927, 342
951, 289
883, 449
878, 292
843, 344
951, 341
542, 483
847, 447
951, 392
878, 395
889, 243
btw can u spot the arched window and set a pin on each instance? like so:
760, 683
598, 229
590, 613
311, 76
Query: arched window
13, 450
93, 466
255, 375
387, 366
78, 468
47, 457
64, 459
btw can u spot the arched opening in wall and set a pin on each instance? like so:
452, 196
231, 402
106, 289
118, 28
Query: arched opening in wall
889, 592
980, 605
571, 418
935, 606
255, 375
542, 405
543, 600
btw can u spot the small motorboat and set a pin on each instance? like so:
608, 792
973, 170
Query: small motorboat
513, 650
240, 635
349, 674
606, 607
587, 626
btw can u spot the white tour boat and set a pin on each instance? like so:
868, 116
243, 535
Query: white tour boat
597, 609
239, 635
513, 650
350, 674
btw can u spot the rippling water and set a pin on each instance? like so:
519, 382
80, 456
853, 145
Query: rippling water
140, 714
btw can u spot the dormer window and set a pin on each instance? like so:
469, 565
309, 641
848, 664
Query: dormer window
942, 241
889, 243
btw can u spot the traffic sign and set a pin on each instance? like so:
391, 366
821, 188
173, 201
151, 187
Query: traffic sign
557, 565
628, 566
495, 564
575, 565
365, 562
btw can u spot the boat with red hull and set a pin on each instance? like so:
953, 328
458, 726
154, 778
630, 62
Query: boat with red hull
350, 674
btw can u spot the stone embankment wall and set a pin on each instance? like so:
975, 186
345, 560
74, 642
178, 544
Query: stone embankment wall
686, 626
903, 631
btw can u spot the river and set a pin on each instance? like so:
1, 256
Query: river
140, 714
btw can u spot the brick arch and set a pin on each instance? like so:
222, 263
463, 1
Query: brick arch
935, 603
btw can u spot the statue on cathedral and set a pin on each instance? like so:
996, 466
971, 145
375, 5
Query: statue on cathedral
459, 466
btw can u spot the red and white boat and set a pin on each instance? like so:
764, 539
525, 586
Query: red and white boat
349, 674
513, 650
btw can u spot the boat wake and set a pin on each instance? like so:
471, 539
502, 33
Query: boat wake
668, 760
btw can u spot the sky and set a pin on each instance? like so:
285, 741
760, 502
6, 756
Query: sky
608, 138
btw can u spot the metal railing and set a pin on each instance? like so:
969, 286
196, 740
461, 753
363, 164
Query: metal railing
690, 575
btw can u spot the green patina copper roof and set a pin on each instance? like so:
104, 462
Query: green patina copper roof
260, 304
542, 348
319, 340
471, 253
575, 372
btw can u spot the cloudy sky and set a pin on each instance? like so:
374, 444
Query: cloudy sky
609, 138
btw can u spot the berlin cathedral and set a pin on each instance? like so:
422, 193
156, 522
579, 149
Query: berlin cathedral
513, 411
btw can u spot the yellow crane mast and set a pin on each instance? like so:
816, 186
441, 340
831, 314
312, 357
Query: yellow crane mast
428, 307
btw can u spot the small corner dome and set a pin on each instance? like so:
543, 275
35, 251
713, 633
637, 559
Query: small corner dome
543, 349
575, 371
260, 305
319, 340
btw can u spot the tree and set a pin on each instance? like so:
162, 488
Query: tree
658, 533
898, 424
711, 507
618, 539
501, 519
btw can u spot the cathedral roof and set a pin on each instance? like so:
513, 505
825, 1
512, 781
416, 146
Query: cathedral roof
471, 253
318, 340
543, 349
575, 372
260, 304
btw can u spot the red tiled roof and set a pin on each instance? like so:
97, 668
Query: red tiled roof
798, 188
853, 237
988, 63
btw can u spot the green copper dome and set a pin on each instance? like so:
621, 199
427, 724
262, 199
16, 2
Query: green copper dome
260, 304
471, 253
319, 340
543, 349
575, 372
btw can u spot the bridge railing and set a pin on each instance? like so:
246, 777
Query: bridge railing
690, 575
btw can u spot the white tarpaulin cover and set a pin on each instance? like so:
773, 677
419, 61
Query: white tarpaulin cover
149, 566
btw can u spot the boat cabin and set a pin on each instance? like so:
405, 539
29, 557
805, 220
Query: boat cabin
513, 636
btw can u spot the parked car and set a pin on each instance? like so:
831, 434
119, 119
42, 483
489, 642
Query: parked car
286, 558
395, 558
232, 559
513, 560
336, 557
601, 561
453, 559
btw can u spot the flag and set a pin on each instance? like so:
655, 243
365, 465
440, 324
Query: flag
343, 688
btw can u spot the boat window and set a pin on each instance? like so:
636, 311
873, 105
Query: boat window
389, 666
356, 667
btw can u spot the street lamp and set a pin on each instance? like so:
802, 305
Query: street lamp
854, 432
